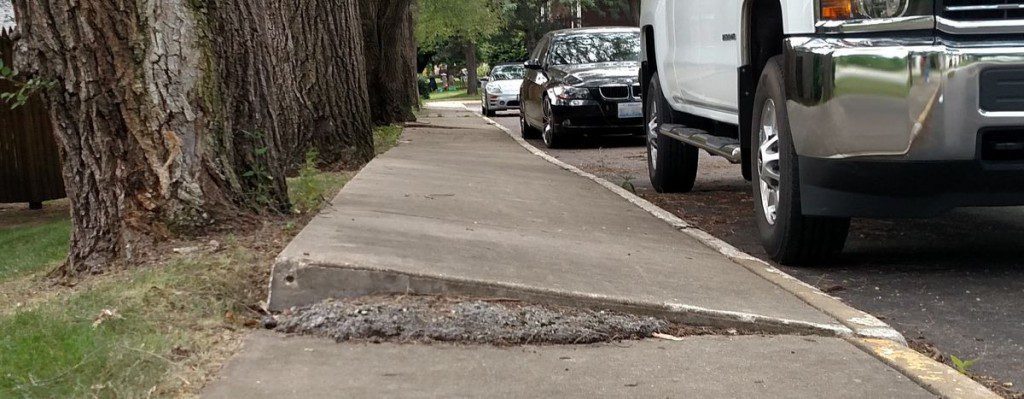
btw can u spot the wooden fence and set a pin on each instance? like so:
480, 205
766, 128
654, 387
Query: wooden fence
29, 162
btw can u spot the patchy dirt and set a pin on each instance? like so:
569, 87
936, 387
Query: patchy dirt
424, 319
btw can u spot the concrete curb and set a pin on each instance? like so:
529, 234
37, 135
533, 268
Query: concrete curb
936, 377
861, 323
301, 281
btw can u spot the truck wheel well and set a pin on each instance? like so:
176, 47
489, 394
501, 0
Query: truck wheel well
763, 39
763, 19
649, 64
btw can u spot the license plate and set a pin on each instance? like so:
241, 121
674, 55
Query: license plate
631, 110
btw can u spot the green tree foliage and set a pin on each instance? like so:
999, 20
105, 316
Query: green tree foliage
507, 45
534, 18
444, 21
463, 23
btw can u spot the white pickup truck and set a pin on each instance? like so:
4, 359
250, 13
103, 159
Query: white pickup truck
838, 108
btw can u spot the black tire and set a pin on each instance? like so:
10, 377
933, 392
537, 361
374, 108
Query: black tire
788, 236
671, 164
554, 136
528, 132
490, 113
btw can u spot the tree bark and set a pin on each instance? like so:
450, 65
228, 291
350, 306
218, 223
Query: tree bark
471, 64
328, 74
302, 62
175, 115
388, 29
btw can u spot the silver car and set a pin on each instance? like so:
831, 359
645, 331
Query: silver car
501, 89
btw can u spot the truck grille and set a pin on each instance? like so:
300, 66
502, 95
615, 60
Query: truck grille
983, 10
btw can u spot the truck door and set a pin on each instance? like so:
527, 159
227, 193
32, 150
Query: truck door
706, 37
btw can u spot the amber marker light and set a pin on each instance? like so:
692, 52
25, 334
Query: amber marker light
836, 10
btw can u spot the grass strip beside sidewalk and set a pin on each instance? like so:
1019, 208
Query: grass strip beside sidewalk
160, 329
458, 95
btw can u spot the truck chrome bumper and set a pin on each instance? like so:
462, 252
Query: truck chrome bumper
897, 99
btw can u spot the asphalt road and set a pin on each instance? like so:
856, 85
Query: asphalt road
955, 282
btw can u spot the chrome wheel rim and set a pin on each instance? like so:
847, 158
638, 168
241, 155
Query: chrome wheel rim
652, 136
768, 164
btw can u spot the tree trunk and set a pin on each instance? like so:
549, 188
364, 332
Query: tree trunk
174, 115
388, 29
325, 47
471, 64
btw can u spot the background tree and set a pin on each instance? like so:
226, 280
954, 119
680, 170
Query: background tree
390, 48
506, 45
534, 18
464, 23
176, 115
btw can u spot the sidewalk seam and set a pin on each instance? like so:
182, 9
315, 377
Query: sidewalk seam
861, 323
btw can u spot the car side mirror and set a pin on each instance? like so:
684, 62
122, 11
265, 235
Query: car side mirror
485, 79
532, 65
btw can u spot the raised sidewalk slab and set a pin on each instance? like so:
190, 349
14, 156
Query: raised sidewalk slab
460, 208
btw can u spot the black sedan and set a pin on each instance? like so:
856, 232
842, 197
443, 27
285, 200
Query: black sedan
582, 81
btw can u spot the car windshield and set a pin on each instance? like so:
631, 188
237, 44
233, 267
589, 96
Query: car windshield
508, 72
593, 48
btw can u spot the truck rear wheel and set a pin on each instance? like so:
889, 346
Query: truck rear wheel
671, 164
788, 236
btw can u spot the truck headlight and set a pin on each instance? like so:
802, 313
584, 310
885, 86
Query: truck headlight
843, 10
493, 89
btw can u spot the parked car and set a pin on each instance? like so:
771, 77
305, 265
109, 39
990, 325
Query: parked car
582, 81
839, 108
501, 88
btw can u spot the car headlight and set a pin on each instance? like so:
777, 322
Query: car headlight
843, 10
571, 93
493, 89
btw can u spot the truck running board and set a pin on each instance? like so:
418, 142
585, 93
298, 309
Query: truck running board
725, 147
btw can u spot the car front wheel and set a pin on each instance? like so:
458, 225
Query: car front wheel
552, 134
788, 236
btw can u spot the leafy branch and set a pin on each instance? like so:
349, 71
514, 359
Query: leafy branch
25, 89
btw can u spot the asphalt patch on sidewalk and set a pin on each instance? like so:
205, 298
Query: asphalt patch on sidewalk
427, 319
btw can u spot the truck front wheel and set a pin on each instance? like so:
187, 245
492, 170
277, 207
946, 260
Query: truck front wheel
788, 236
671, 164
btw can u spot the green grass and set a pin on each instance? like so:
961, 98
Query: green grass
31, 248
310, 190
172, 322
386, 138
458, 95
164, 315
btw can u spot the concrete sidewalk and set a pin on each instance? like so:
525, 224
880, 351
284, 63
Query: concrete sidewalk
461, 208
701, 367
